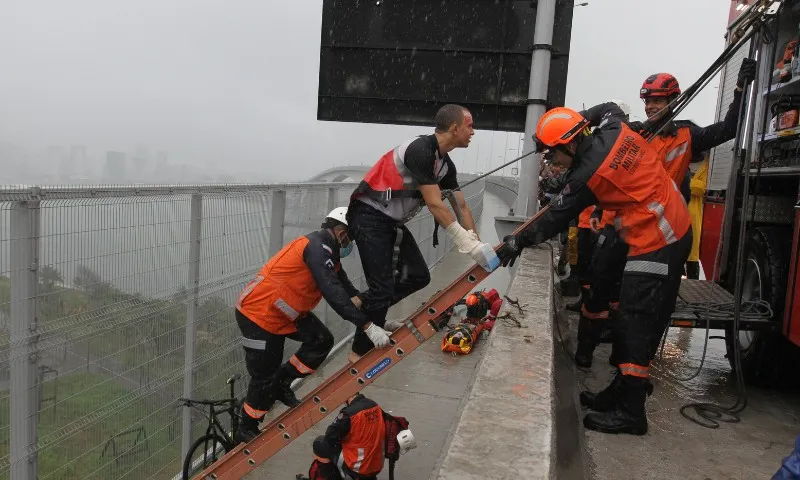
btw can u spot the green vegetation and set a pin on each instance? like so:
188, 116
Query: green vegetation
80, 455
145, 345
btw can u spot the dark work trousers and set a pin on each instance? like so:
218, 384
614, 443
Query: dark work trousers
608, 263
331, 462
263, 354
586, 240
389, 279
650, 287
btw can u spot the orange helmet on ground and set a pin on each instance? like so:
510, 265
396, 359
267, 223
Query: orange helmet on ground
559, 126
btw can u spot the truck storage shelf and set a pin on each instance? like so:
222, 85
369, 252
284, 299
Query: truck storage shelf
789, 132
777, 171
693, 303
794, 83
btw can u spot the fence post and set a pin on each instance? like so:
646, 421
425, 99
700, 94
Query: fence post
276, 220
195, 224
24, 285
332, 197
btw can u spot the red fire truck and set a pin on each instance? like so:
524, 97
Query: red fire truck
758, 183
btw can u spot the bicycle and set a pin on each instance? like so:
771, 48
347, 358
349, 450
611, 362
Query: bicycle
216, 437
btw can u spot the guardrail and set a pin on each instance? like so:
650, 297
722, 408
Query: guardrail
117, 300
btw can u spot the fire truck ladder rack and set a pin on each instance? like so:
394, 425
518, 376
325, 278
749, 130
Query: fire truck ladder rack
701, 301
348, 381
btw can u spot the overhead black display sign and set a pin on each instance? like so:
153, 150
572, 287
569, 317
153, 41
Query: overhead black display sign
398, 61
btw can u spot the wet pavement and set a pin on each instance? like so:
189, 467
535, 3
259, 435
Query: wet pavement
675, 447
427, 387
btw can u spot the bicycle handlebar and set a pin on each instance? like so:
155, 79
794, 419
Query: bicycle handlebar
225, 401
189, 402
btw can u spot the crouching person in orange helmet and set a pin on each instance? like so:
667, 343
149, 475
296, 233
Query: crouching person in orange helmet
278, 304
615, 168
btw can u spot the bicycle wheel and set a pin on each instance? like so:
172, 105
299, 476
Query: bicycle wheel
205, 451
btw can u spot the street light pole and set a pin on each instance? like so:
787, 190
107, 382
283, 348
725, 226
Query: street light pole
527, 199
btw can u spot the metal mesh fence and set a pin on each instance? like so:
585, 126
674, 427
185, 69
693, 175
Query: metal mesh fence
96, 286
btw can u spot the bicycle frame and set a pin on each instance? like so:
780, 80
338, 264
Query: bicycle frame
219, 408
215, 425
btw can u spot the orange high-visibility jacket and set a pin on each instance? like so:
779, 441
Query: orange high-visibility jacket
292, 283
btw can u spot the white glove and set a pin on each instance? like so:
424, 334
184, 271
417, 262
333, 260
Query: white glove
482, 253
378, 336
393, 325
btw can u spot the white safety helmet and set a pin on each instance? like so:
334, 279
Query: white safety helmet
406, 441
626, 109
339, 214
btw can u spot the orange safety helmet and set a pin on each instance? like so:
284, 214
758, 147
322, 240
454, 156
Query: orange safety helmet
559, 126
659, 85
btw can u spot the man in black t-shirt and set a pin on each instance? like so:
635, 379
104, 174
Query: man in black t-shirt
407, 178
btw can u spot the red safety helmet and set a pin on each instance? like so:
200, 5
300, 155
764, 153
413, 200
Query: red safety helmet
559, 126
660, 85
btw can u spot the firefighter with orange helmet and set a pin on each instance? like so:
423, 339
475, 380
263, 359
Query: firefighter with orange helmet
678, 144
278, 304
615, 168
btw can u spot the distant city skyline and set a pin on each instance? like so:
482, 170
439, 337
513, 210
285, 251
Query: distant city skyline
77, 164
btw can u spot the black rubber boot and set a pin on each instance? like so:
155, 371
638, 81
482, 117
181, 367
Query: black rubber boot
285, 395
569, 286
248, 428
282, 387
606, 399
693, 270
587, 341
576, 305
628, 416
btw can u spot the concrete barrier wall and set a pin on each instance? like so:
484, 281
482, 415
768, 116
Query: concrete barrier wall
504, 187
507, 427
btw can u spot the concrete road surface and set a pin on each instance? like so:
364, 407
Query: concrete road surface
427, 387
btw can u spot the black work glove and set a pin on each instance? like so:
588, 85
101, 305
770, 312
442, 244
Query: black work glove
509, 252
747, 72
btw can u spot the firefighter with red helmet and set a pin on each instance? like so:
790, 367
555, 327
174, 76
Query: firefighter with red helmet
679, 143
682, 142
407, 178
615, 168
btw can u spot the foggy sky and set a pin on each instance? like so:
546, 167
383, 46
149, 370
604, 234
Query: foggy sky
233, 85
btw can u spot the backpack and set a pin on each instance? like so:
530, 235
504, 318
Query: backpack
391, 448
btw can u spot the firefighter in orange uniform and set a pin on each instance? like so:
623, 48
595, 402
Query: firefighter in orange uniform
681, 142
278, 304
678, 144
352, 446
615, 168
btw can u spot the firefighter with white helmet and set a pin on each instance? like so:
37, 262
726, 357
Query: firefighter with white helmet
278, 303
